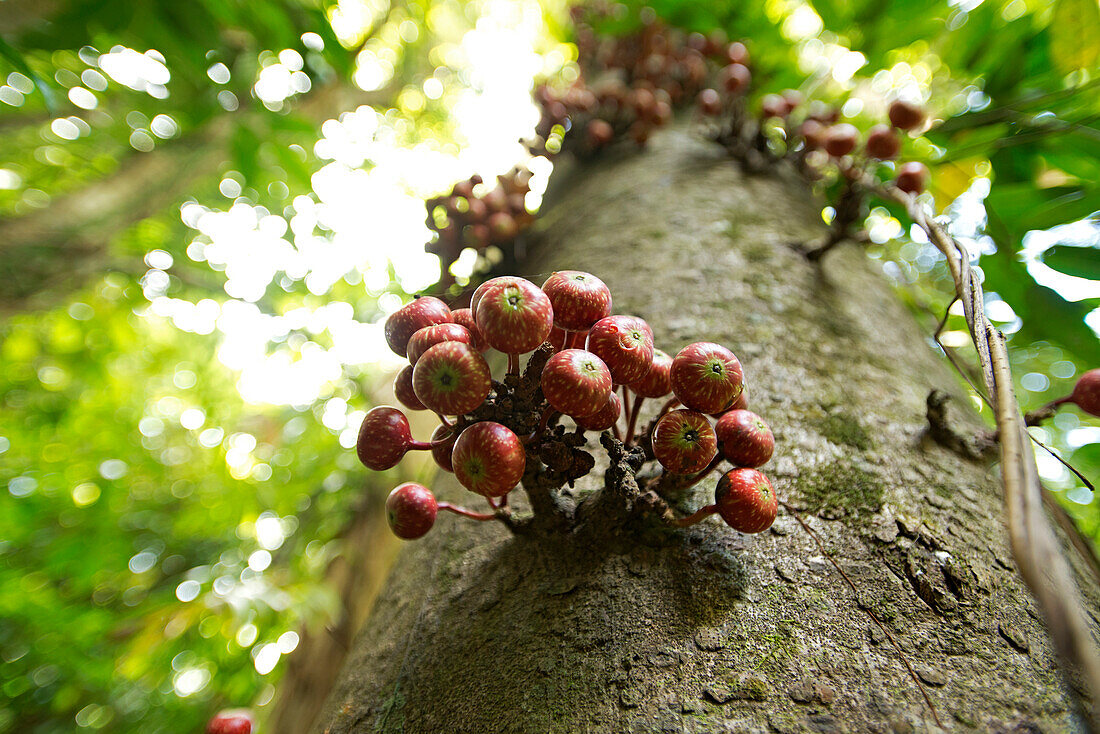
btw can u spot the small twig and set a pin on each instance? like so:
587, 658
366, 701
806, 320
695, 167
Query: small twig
901, 653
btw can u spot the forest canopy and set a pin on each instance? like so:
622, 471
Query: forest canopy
207, 211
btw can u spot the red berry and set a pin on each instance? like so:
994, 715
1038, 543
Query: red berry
557, 338
841, 139
773, 105
488, 459
905, 115
1086, 393
604, 418
410, 510
502, 227
441, 451
736, 53
911, 177
736, 78
578, 299
451, 378
403, 389
625, 344
231, 721
514, 317
883, 143
656, 382
599, 133
384, 437
465, 317
742, 402
709, 102
744, 438
684, 442
793, 98
706, 377
429, 336
746, 500
411, 318
576, 382
484, 288
813, 132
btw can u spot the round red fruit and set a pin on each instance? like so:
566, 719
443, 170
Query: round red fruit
709, 102
883, 143
485, 287
557, 338
451, 378
742, 402
514, 317
813, 133
403, 389
706, 377
736, 53
384, 437
465, 317
231, 721
625, 344
911, 177
429, 336
744, 438
1086, 393
746, 500
841, 139
443, 443
411, 318
774, 105
736, 78
905, 115
488, 459
576, 382
656, 383
684, 442
578, 299
599, 133
410, 510
605, 418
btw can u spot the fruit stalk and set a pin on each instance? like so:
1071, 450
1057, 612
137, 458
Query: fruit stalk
697, 516
479, 516
635, 411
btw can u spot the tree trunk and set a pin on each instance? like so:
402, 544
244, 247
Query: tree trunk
708, 630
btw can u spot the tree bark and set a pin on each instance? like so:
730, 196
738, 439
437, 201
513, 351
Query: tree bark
705, 629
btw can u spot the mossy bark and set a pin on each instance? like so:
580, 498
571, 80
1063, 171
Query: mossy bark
707, 630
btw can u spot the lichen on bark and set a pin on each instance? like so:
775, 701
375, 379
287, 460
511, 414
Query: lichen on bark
705, 629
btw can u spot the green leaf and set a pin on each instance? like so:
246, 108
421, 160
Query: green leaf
1082, 262
1075, 35
13, 57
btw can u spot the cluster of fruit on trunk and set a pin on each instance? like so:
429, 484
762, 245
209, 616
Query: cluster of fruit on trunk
593, 354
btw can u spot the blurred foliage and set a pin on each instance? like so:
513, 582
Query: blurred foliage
168, 519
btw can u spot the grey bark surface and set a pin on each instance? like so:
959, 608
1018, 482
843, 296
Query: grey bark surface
705, 629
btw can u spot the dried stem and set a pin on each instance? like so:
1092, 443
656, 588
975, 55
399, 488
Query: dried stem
1034, 545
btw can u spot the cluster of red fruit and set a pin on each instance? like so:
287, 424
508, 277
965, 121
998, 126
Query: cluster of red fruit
638, 80
589, 353
882, 143
813, 131
474, 215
